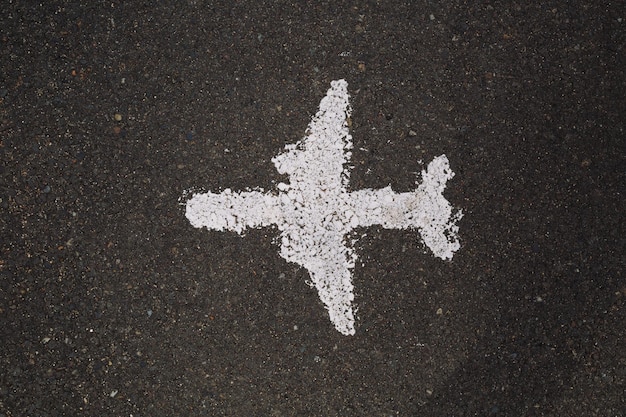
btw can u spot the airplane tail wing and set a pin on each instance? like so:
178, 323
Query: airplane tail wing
439, 229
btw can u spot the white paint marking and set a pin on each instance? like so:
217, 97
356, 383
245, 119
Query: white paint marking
314, 212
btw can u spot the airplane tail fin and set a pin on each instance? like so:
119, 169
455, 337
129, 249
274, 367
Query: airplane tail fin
440, 231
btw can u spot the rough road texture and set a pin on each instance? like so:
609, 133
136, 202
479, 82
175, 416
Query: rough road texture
111, 303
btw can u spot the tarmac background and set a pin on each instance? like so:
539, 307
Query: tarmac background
112, 304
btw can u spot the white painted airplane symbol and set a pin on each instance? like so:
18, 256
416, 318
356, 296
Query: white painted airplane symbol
315, 211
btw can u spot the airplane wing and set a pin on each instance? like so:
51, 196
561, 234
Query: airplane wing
323, 253
317, 161
313, 225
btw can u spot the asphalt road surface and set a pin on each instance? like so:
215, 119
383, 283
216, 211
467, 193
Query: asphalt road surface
112, 304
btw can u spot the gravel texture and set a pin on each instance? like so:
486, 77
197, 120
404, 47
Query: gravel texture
112, 304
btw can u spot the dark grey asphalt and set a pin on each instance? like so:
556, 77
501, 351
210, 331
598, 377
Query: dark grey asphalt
111, 304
